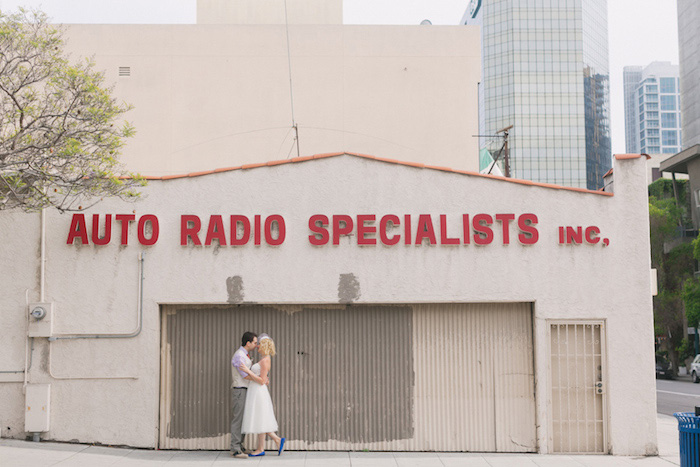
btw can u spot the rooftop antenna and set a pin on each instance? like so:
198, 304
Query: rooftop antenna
504, 148
291, 89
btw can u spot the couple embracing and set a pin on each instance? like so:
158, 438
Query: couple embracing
252, 405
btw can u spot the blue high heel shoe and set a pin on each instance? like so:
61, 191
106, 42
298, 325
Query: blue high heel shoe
279, 452
257, 455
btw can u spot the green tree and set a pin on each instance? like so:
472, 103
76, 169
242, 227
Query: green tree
60, 128
673, 260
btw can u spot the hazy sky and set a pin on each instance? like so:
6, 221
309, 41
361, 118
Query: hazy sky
640, 31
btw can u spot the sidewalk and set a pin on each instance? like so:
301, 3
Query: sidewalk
25, 453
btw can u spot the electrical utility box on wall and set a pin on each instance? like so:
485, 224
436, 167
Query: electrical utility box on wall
37, 408
40, 319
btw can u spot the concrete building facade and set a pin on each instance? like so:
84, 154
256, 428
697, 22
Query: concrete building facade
350, 275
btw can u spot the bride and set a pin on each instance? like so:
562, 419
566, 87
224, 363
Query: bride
259, 415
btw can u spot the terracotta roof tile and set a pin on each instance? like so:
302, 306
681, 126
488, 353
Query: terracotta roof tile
197, 174
253, 166
394, 161
328, 154
631, 156
436, 167
302, 159
227, 169
284, 161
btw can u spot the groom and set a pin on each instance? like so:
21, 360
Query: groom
239, 387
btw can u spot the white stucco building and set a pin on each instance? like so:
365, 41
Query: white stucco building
416, 305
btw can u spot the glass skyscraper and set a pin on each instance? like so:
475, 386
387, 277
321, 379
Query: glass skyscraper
545, 71
652, 109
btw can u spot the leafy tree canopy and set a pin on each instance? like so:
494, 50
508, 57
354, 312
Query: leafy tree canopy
60, 128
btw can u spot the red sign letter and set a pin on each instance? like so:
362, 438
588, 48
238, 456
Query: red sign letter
505, 219
484, 228
124, 219
280, 228
318, 229
186, 231
592, 234
337, 230
96, 229
363, 229
142, 229
444, 239
528, 233
425, 229
215, 230
77, 229
383, 228
234, 230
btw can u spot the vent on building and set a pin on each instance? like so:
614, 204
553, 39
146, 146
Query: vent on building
124, 71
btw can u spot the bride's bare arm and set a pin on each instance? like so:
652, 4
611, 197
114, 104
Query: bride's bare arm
265, 369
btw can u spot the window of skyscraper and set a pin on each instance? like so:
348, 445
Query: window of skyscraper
654, 150
669, 120
668, 102
653, 141
668, 85
653, 124
670, 150
669, 138
653, 132
652, 88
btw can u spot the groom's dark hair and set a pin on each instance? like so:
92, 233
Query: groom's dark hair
247, 337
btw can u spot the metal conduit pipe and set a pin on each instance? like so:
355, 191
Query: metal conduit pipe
27, 354
42, 272
29, 366
139, 312
134, 333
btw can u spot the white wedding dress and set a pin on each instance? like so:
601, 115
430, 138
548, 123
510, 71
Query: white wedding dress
258, 415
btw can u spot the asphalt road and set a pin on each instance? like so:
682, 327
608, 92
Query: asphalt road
679, 395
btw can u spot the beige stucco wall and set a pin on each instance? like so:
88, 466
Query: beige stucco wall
211, 96
269, 11
95, 288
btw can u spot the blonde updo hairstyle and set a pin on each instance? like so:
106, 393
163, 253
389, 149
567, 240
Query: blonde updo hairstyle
267, 347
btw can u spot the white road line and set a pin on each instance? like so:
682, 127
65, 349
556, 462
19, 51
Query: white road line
678, 393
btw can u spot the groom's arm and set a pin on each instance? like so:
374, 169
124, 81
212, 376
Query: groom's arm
251, 376
240, 366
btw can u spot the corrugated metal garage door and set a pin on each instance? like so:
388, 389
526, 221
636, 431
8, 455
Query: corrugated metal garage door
448, 377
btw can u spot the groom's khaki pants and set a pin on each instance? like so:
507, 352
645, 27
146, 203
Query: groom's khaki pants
237, 406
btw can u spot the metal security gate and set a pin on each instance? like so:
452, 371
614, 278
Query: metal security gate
577, 375
448, 377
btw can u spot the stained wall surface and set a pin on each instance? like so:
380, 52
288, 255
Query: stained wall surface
107, 390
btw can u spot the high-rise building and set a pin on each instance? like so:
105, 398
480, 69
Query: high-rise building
631, 77
545, 71
652, 109
689, 51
